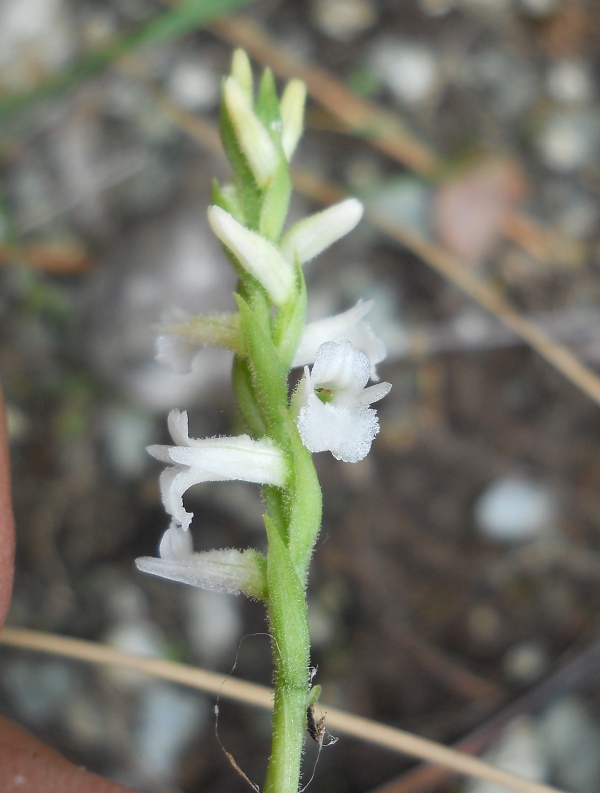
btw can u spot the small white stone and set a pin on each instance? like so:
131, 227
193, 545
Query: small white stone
519, 751
571, 738
193, 85
214, 624
343, 20
570, 82
39, 689
37, 38
127, 433
525, 662
409, 70
135, 637
540, 8
569, 141
515, 510
169, 717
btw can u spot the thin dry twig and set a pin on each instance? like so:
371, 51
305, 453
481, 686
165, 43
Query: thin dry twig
259, 696
49, 257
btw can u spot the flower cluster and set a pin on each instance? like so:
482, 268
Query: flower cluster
331, 406
329, 410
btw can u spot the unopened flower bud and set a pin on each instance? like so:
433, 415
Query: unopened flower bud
314, 234
256, 255
253, 139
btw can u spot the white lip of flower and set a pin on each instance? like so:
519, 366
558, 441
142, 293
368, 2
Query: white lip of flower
227, 570
172, 349
345, 425
256, 255
348, 326
195, 460
312, 235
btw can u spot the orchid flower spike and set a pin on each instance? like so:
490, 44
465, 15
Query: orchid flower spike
195, 460
350, 326
228, 570
332, 403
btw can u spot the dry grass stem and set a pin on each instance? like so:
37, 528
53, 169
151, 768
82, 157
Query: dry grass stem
259, 696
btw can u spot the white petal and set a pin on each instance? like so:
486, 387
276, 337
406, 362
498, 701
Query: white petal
176, 543
229, 458
314, 234
258, 148
348, 326
213, 460
241, 70
175, 353
340, 367
172, 350
177, 422
346, 433
374, 393
255, 254
161, 453
229, 570
174, 481
291, 108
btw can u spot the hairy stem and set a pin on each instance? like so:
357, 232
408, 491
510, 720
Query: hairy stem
289, 631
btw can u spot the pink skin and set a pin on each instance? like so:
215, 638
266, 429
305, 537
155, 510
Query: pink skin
26, 764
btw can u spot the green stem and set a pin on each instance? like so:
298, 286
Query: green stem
289, 726
291, 650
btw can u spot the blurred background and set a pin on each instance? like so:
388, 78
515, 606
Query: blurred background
455, 589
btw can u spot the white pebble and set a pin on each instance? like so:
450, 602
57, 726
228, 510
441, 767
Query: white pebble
540, 8
343, 20
193, 85
571, 738
169, 718
127, 433
569, 142
515, 510
570, 82
139, 637
37, 38
214, 625
409, 70
519, 751
525, 662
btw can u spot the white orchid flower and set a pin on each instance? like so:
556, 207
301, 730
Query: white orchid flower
332, 403
350, 326
195, 460
228, 570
